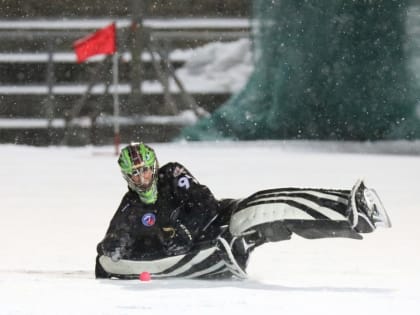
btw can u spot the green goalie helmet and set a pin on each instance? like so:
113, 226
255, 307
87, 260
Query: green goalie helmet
139, 166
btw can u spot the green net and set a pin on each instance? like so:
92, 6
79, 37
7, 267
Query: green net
323, 70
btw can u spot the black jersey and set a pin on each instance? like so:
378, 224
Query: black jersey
139, 230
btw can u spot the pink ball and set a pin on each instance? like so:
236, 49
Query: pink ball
144, 276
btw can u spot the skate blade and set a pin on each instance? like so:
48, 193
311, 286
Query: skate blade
380, 216
353, 202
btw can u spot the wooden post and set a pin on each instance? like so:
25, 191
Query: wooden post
115, 82
138, 9
50, 98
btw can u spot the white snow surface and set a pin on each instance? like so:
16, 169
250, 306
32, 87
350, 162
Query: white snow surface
56, 203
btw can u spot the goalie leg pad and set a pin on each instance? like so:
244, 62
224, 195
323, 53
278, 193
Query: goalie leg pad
215, 262
277, 221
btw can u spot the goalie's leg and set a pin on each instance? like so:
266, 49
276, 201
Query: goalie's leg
273, 215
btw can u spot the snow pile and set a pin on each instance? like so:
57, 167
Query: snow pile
218, 66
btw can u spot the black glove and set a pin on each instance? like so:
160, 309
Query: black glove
115, 255
113, 252
115, 248
180, 243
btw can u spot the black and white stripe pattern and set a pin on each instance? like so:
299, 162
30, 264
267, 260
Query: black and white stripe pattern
289, 204
216, 261
295, 205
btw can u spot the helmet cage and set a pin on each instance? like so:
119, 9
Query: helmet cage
139, 171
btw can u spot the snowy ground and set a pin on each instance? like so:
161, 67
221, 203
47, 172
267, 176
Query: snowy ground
55, 204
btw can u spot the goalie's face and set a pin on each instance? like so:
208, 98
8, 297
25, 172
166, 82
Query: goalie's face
142, 177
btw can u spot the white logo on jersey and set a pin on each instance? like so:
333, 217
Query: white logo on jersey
184, 182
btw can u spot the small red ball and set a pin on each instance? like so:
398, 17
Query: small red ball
144, 276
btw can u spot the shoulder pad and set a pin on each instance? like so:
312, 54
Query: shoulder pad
178, 171
175, 169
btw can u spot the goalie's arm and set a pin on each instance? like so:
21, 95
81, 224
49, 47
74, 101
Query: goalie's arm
118, 238
199, 205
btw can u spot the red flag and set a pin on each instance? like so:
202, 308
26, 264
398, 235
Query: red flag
102, 41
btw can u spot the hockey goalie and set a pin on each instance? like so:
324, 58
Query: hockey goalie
170, 225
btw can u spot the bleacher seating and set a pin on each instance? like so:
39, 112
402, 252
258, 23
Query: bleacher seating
41, 83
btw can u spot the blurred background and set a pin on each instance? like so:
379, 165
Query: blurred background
210, 70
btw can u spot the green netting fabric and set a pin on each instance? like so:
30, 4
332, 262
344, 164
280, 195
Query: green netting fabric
323, 70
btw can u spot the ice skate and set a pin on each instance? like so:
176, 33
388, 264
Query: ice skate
367, 211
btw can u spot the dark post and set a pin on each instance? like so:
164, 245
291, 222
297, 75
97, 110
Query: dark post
50, 98
138, 36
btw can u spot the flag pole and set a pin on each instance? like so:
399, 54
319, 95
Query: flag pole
116, 104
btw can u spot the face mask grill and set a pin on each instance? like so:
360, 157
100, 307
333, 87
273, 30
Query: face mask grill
142, 178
